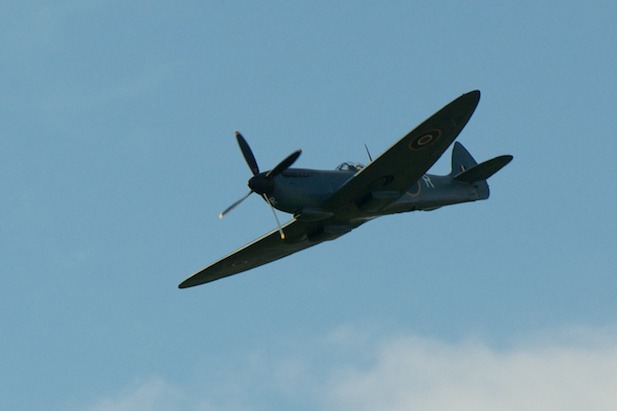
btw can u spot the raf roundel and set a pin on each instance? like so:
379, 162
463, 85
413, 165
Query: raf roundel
425, 140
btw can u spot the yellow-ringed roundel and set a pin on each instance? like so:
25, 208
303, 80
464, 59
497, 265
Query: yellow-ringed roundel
414, 190
425, 140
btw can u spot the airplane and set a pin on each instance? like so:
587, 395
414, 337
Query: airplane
327, 204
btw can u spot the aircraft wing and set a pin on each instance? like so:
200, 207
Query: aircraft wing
265, 249
396, 170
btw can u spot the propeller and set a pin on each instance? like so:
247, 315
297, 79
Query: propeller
261, 183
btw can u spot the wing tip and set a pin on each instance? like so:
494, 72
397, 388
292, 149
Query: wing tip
474, 96
475, 92
189, 282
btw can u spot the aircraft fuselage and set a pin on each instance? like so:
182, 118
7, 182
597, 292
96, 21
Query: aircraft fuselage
298, 190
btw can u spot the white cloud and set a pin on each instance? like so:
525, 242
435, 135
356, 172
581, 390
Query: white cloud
405, 373
415, 373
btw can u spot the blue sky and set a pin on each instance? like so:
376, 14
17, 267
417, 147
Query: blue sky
117, 154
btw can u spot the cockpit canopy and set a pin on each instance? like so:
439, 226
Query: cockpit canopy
350, 166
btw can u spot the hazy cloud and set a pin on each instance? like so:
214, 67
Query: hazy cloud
151, 395
550, 373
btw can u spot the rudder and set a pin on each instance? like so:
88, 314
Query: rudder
461, 159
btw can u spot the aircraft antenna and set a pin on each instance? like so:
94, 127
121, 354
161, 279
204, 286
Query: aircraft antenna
368, 152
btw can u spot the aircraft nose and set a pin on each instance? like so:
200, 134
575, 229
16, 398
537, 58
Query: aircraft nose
261, 184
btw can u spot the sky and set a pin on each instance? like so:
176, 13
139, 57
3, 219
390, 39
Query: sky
117, 153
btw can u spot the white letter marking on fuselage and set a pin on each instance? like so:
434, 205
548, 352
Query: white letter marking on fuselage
427, 181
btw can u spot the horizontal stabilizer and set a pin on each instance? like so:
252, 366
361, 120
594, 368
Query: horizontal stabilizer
484, 170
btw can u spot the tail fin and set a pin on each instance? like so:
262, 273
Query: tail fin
466, 169
461, 159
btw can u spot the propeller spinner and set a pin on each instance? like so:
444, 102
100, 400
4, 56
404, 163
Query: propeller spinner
261, 183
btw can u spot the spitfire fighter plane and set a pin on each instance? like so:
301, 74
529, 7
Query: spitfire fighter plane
327, 204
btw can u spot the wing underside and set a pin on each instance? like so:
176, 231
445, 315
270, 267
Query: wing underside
299, 235
397, 169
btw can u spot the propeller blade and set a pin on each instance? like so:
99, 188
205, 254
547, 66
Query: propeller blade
231, 207
285, 164
278, 223
247, 153
261, 183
